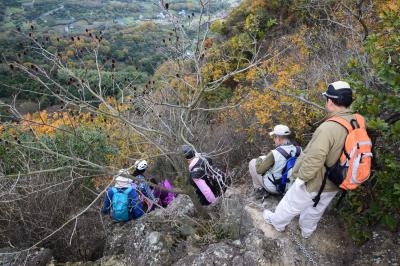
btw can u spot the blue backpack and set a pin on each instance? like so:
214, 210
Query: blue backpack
120, 205
290, 162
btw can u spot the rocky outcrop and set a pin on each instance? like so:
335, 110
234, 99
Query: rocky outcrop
156, 239
33, 257
166, 237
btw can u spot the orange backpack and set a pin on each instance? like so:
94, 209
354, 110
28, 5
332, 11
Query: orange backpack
354, 165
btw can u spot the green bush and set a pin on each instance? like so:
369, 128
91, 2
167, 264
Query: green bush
378, 201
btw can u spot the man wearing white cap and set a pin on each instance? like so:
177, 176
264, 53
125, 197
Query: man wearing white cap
266, 171
311, 193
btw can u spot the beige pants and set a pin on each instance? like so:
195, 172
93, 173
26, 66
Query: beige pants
298, 200
259, 180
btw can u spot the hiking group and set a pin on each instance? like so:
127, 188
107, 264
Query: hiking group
338, 157
130, 199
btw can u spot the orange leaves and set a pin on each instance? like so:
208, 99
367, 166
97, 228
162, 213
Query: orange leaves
208, 43
44, 123
393, 6
255, 4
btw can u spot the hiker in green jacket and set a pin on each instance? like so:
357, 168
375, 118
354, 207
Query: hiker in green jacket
323, 150
266, 171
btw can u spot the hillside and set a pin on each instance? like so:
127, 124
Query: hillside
77, 105
131, 32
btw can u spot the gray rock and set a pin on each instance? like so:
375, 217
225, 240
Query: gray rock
37, 256
238, 261
181, 206
156, 239
216, 254
253, 258
232, 210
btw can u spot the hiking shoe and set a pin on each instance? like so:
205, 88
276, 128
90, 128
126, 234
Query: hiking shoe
267, 214
260, 193
304, 235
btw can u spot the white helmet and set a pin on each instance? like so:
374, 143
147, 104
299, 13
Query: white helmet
141, 165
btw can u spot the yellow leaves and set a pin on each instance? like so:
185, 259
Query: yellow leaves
299, 43
285, 76
270, 108
217, 26
251, 23
70, 53
47, 124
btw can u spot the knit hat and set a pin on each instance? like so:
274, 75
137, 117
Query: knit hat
121, 181
188, 151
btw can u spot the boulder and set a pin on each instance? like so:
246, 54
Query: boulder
33, 257
155, 239
219, 254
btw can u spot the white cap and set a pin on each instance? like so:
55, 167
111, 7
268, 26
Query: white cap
280, 130
334, 89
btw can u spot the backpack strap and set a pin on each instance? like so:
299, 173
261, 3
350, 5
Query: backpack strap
343, 122
318, 196
283, 152
298, 151
128, 190
360, 120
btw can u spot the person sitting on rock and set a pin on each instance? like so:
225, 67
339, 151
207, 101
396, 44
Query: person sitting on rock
162, 192
323, 150
209, 182
270, 173
122, 201
142, 186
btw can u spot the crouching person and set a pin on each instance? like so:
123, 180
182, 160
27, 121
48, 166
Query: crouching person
209, 181
163, 192
271, 173
122, 201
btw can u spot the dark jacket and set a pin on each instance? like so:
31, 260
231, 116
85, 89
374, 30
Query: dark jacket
213, 177
135, 206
